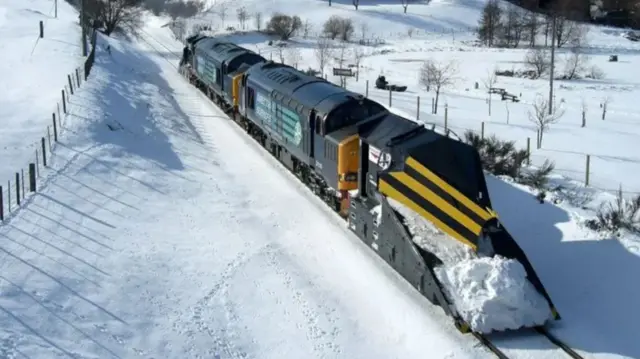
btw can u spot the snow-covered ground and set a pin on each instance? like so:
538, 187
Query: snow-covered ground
33, 71
158, 240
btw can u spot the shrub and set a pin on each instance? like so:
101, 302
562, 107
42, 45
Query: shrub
616, 215
284, 26
338, 26
498, 157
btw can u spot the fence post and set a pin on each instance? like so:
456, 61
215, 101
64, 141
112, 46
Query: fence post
588, 169
366, 91
529, 150
70, 84
1, 205
37, 163
390, 97
433, 105
482, 130
9, 195
18, 188
64, 102
41, 29
22, 175
59, 117
446, 116
49, 137
55, 128
78, 78
44, 153
418, 109
538, 139
32, 177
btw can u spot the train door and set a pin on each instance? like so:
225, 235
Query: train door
318, 141
312, 127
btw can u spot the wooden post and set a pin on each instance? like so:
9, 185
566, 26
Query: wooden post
78, 78
588, 169
433, 105
64, 102
22, 181
418, 109
366, 93
41, 29
538, 138
482, 130
584, 119
32, 177
446, 116
59, 117
70, 84
49, 137
18, 188
529, 150
44, 153
55, 128
390, 97
1, 205
37, 163
9, 195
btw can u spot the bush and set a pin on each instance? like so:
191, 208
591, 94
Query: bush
617, 215
284, 26
538, 178
498, 157
338, 26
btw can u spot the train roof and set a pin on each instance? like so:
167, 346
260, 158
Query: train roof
451, 159
221, 50
310, 91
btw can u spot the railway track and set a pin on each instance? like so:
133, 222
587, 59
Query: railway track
483, 339
489, 345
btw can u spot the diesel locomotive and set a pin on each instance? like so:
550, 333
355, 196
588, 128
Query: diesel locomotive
355, 155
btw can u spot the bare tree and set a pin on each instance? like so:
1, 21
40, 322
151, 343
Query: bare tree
490, 22
511, 29
364, 29
342, 54
410, 31
338, 26
280, 52
243, 15
257, 19
182, 9
488, 83
438, 76
283, 25
358, 54
294, 56
306, 28
605, 103
583, 107
113, 14
531, 27
575, 63
222, 8
538, 60
323, 53
356, 3
541, 118
405, 5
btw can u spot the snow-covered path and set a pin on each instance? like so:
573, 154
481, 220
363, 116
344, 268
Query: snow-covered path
162, 232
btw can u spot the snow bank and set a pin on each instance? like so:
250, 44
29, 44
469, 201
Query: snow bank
493, 293
490, 293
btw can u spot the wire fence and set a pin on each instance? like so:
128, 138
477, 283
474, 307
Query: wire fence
588, 169
16, 190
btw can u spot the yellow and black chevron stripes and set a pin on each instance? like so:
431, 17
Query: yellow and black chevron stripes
430, 196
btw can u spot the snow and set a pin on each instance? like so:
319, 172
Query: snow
493, 293
159, 239
33, 70
489, 293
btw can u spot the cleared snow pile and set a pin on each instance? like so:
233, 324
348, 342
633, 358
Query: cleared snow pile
430, 238
493, 293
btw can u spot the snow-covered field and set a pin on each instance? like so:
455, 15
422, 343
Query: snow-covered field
152, 237
441, 31
33, 71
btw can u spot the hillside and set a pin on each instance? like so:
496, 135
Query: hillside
33, 71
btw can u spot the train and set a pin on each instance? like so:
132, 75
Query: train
356, 155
